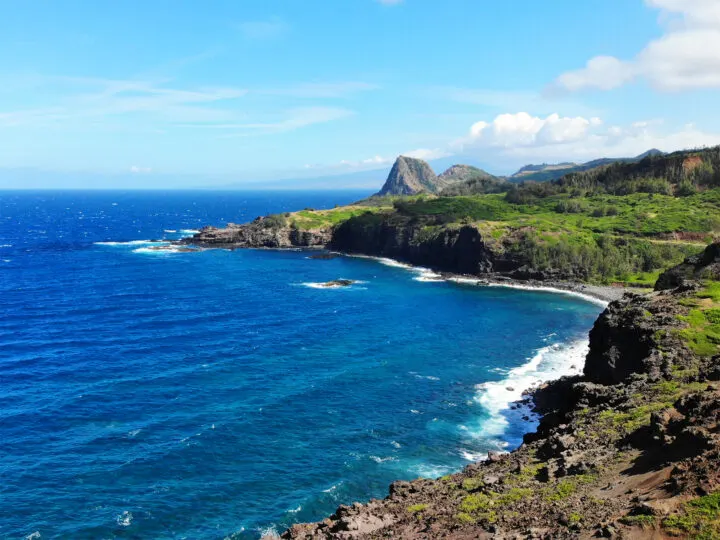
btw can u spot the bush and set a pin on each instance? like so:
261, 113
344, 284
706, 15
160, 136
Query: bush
274, 221
569, 207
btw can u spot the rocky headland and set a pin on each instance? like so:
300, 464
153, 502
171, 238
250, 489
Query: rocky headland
630, 449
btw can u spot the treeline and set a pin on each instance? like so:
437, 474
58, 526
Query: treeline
480, 185
678, 174
598, 258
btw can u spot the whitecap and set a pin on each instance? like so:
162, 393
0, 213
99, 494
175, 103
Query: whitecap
549, 363
396, 444
124, 519
33, 536
332, 488
6, 245
378, 459
170, 231
414, 411
189, 231
134, 433
295, 510
160, 249
132, 243
426, 377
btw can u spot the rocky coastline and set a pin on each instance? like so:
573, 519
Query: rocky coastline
627, 450
457, 254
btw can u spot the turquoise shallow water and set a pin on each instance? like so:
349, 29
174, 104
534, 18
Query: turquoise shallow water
215, 394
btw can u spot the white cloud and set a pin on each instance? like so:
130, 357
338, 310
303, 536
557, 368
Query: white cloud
686, 56
522, 129
521, 137
390, 2
140, 170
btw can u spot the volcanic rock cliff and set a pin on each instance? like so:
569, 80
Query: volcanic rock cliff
630, 449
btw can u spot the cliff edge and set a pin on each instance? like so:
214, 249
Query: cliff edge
630, 449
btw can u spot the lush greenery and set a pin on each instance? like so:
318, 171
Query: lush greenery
699, 518
316, 219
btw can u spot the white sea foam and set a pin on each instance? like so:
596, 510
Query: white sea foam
577, 294
6, 246
33, 536
378, 459
428, 470
134, 433
332, 488
269, 533
132, 243
551, 362
426, 275
295, 510
159, 249
554, 290
170, 231
124, 519
189, 231
473, 456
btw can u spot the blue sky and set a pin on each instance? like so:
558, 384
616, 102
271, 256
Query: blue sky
174, 93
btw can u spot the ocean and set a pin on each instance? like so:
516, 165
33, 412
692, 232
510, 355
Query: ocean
220, 394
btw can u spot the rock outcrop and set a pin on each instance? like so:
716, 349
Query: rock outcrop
703, 266
264, 232
628, 450
410, 176
462, 173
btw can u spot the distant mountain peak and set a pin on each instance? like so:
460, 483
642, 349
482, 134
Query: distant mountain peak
410, 176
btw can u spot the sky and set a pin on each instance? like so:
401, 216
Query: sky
179, 93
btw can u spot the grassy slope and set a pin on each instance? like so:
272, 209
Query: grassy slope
627, 238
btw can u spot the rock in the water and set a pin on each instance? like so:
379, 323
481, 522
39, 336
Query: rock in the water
338, 283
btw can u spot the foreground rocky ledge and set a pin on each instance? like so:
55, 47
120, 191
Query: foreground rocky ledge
631, 449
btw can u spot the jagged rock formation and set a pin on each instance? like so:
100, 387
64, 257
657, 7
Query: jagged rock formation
410, 176
263, 232
629, 450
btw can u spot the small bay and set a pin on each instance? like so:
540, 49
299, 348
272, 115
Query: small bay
208, 394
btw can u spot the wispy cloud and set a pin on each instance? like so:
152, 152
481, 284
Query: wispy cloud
289, 121
92, 102
321, 90
390, 2
263, 30
79, 99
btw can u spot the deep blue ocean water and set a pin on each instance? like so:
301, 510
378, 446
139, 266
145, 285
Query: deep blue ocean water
147, 394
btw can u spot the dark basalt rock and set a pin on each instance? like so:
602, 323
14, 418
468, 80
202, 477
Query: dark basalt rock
461, 250
338, 283
703, 266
